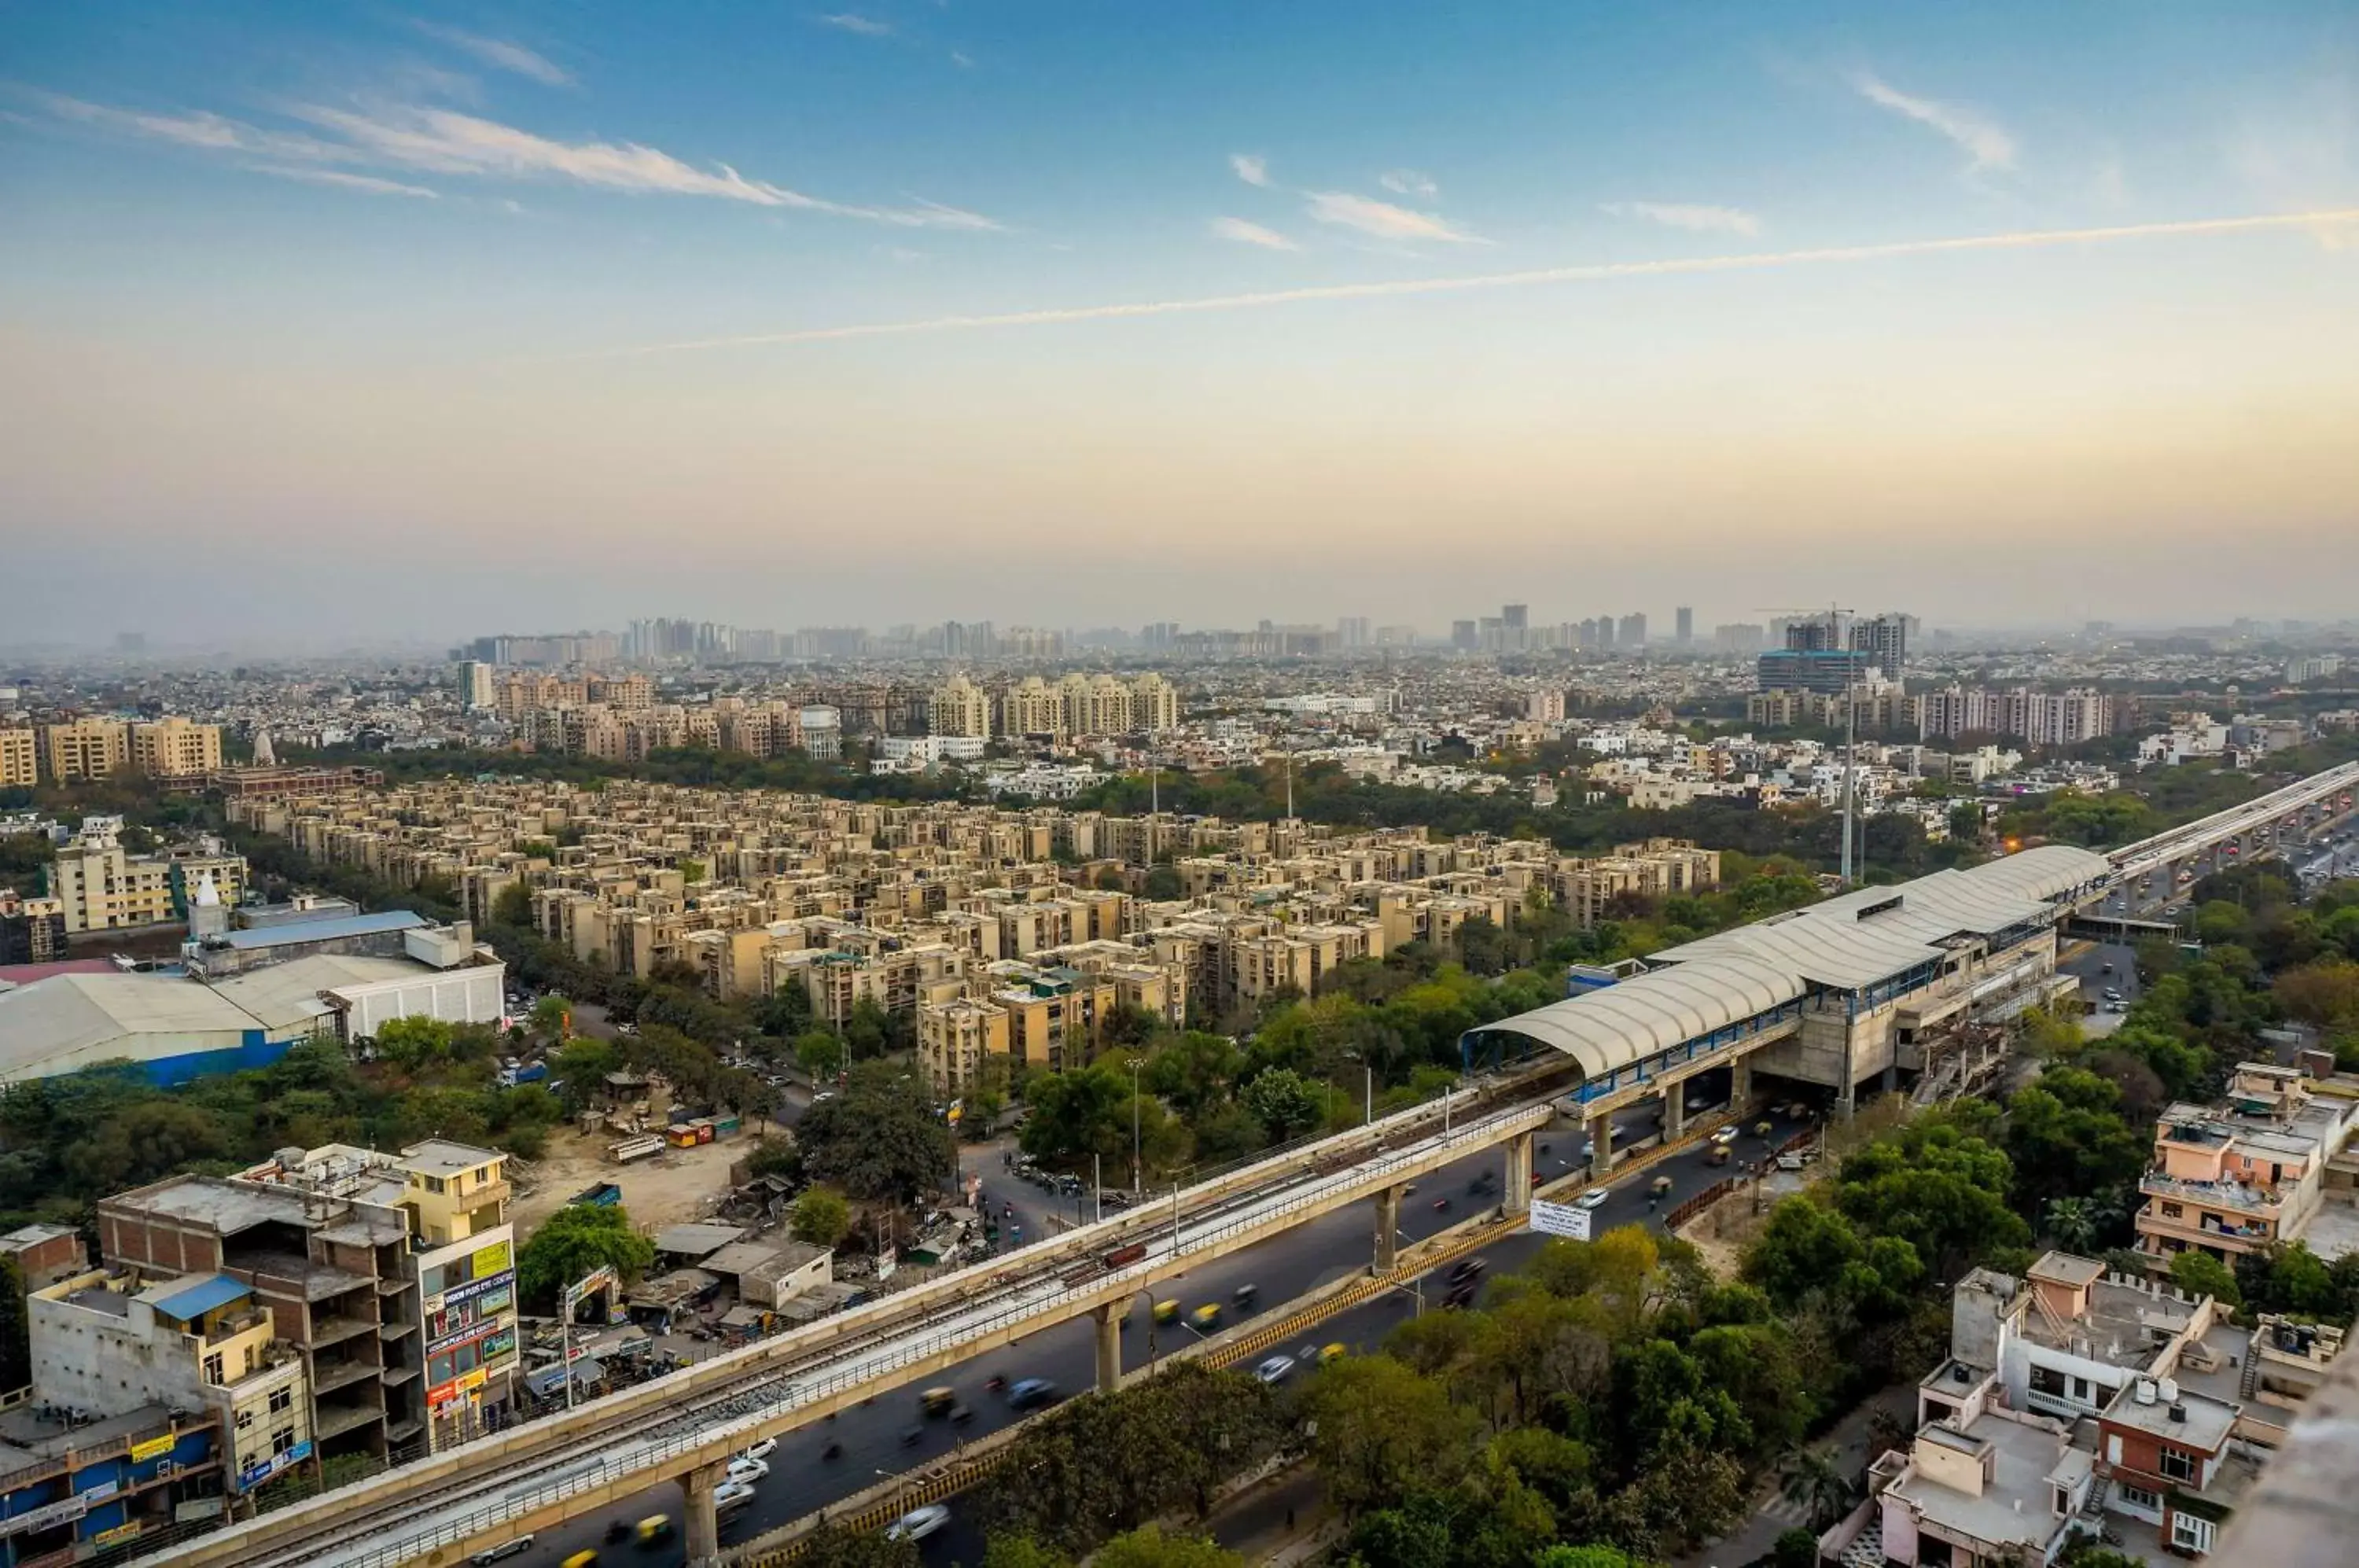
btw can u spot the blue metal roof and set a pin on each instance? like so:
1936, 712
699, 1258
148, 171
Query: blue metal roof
303, 931
202, 1298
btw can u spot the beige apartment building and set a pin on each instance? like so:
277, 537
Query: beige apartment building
84, 748
960, 707
20, 752
99, 886
172, 747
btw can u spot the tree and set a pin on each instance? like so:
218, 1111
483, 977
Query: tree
879, 1139
2200, 1274
413, 1044
822, 1216
552, 1016
1163, 883
1795, 1548
1284, 1102
1810, 1479
1383, 1430
831, 1546
1593, 1556
16, 1326
820, 1054
1011, 1548
1148, 1547
581, 1072
577, 1240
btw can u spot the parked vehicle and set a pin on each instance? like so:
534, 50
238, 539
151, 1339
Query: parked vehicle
604, 1195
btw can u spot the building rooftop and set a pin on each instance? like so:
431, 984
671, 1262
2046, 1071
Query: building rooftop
263, 938
2028, 1458
28, 1437
697, 1241
443, 1156
2193, 1419
226, 1206
192, 1296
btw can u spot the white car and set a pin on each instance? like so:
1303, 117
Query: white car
1594, 1198
748, 1470
502, 1551
731, 1495
1277, 1369
919, 1523
761, 1450
1726, 1135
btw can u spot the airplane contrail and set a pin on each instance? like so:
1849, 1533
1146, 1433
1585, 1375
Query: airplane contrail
2028, 240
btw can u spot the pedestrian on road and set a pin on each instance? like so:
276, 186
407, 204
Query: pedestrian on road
1290, 1521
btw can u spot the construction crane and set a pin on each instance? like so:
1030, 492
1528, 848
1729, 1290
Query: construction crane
1837, 618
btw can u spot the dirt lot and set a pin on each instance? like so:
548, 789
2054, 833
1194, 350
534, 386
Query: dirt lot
677, 1185
1722, 1231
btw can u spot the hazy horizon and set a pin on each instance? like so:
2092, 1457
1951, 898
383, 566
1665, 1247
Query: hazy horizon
348, 322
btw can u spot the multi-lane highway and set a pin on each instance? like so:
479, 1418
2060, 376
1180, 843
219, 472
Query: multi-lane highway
1339, 1245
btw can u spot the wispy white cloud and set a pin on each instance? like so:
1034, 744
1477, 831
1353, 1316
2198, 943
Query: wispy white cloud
2344, 220
199, 128
1244, 233
1382, 219
368, 182
1409, 182
1701, 218
500, 54
445, 141
1251, 167
1984, 142
853, 22
959, 59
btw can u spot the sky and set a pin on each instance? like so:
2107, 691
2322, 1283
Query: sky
339, 323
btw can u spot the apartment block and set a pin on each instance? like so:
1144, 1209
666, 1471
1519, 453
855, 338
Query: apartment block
32, 931
173, 747
20, 752
2251, 1174
100, 886
84, 749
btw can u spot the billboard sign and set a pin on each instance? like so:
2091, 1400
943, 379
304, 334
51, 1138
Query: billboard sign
1570, 1221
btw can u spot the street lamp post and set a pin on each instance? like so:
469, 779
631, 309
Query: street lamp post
1137, 1176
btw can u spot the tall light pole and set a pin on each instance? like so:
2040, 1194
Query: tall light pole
1138, 1178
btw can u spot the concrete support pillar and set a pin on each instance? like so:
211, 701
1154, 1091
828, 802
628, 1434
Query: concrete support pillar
702, 1524
1520, 1175
1109, 1319
1740, 1085
1675, 1112
1601, 1147
1387, 1228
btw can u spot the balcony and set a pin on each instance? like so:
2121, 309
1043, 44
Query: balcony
332, 1422
328, 1330
2236, 1238
342, 1375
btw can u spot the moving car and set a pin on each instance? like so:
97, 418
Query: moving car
1276, 1369
747, 1470
1031, 1392
732, 1494
919, 1523
1594, 1198
761, 1450
1466, 1268
504, 1551
1726, 1135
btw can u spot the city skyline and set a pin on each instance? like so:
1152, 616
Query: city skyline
350, 325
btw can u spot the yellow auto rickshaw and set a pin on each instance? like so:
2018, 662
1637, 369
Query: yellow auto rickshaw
1207, 1316
585, 1557
1334, 1351
1661, 1187
937, 1401
1718, 1154
1167, 1311
655, 1528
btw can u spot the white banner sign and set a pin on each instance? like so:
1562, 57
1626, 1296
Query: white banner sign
1567, 1220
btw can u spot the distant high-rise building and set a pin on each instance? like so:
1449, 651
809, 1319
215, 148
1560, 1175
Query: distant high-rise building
132, 643
1685, 617
475, 691
1515, 617
1738, 636
1812, 634
1885, 639
1604, 632
1633, 631
1351, 631
1464, 636
1820, 670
